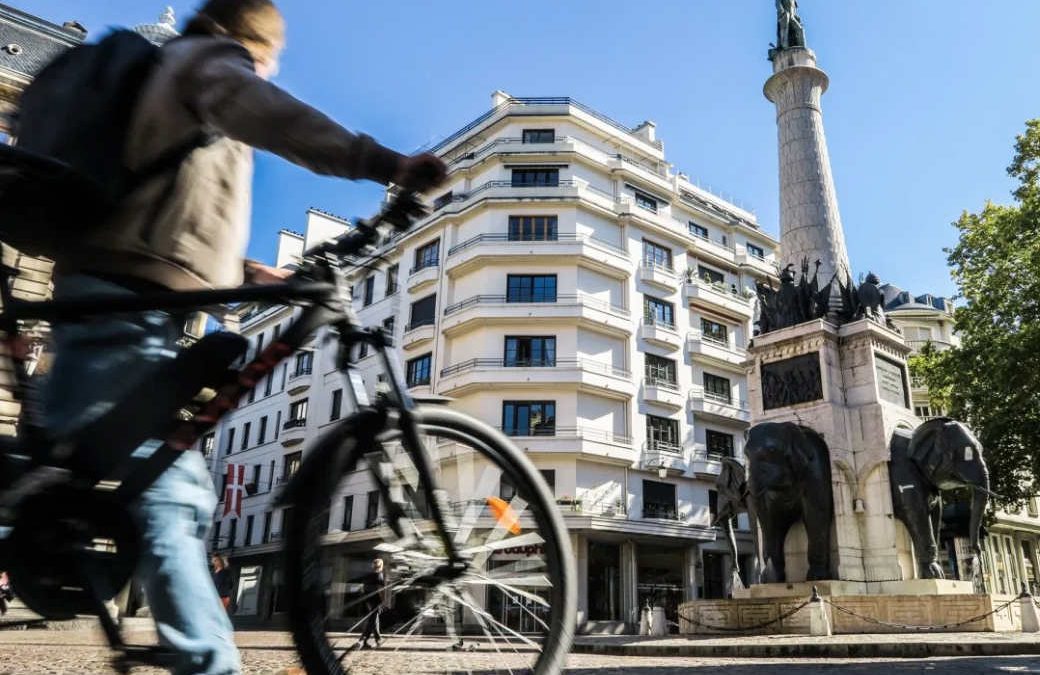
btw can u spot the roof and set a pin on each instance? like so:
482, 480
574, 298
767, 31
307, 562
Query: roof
28, 43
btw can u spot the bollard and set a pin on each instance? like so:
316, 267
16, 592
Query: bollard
1030, 620
819, 624
658, 622
644, 621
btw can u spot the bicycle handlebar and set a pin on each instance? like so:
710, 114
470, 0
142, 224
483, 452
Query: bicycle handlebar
400, 212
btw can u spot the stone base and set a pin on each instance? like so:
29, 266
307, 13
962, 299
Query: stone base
803, 589
699, 616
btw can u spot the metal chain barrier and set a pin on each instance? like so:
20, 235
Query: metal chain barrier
728, 629
904, 626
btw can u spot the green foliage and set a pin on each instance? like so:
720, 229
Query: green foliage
992, 381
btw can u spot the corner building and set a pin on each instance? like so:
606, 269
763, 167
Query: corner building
572, 290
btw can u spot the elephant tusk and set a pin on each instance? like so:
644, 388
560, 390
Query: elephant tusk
906, 487
991, 493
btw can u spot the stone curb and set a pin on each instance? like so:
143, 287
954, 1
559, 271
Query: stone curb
837, 650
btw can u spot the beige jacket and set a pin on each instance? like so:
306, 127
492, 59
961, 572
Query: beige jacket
188, 228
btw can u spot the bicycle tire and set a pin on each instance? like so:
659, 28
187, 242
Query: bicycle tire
303, 555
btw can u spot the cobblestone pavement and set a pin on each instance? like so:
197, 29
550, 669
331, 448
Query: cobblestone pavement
75, 652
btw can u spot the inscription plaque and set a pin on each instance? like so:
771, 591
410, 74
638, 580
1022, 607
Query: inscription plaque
791, 381
891, 377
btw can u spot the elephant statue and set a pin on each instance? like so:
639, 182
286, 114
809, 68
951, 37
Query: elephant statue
731, 487
941, 454
789, 479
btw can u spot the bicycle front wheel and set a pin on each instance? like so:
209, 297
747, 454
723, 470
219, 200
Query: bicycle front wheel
513, 607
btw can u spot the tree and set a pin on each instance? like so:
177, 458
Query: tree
992, 381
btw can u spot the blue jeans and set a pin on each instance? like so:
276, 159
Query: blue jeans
96, 362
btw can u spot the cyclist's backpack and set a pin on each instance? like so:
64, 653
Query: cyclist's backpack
66, 172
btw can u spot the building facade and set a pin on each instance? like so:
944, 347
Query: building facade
572, 290
1012, 542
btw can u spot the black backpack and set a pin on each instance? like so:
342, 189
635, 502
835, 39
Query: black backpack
66, 172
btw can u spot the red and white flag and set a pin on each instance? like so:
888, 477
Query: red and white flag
235, 489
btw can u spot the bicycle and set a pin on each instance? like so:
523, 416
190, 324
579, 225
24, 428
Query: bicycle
71, 544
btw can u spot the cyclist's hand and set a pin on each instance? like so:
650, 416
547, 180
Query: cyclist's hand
259, 273
421, 172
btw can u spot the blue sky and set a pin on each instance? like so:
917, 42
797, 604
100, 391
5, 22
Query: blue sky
926, 96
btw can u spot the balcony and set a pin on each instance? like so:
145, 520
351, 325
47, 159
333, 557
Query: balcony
718, 352
563, 247
757, 263
659, 275
294, 432
656, 511
425, 275
706, 464
581, 440
299, 379
666, 459
663, 392
584, 374
660, 333
711, 248
481, 310
719, 407
418, 334
718, 297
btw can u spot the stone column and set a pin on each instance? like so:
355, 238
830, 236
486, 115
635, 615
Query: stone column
629, 580
810, 224
580, 546
691, 560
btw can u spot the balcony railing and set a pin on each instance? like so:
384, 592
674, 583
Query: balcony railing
424, 266
294, 424
589, 365
419, 324
556, 237
658, 322
660, 511
580, 432
662, 382
548, 430
654, 446
583, 300
718, 397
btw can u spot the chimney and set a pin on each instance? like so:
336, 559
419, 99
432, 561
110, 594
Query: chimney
499, 97
647, 131
290, 248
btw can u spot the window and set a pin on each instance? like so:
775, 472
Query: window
285, 372
714, 332
427, 256
262, 431
717, 388
216, 535
362, 350
656, 255
539, 136
348, 512
443, 200
531, 288
549, 476
533, 228
388, 327
370, 286
267, 528
209, 441
419, 371
529, 418
391, 279
535, 352
268, 384
304, 364
259, 344
424, 312
660, 370
337, 404
230, 442
713, 505
271, 482
711, 276
658, 312
297, 414
255, 480
372, 510
662, 433
659, 500
536, 177
756, 251
291, 465
646, 202
249, 531
252, 395
718, 443
698, 231
277, 332
277, 424
232, 532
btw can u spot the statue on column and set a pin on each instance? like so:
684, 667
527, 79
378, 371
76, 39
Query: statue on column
789, 30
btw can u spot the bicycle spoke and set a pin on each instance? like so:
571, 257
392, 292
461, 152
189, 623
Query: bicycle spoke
472, 606
529, 539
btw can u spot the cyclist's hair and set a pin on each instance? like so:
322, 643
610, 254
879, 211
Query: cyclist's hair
257, 24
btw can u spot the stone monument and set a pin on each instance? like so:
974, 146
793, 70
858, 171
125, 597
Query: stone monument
825, 359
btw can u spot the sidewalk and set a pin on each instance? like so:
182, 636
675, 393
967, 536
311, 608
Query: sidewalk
860, 646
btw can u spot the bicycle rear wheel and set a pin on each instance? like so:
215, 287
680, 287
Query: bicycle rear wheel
512, 609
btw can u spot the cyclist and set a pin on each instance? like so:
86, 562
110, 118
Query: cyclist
184, 230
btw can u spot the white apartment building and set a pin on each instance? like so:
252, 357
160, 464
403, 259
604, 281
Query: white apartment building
571, 289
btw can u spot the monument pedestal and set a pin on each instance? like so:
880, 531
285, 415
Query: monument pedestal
850, 384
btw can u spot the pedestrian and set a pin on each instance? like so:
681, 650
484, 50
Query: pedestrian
187, 228
222, 580
6, 594
374, 589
